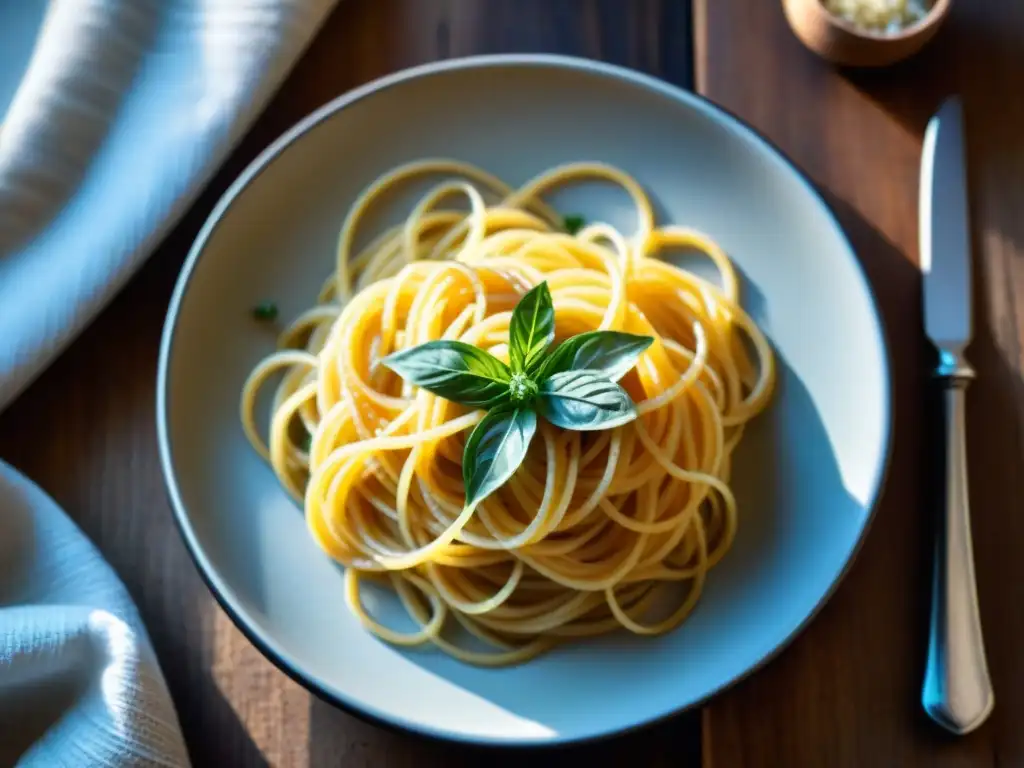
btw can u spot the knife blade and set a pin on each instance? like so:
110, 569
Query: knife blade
944, 231
957, 692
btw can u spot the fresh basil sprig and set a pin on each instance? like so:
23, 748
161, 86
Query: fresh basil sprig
574, 386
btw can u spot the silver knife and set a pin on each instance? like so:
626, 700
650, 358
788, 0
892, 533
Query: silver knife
957, 691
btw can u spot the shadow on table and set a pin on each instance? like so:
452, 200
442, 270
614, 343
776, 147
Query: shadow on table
674, 742
214, 732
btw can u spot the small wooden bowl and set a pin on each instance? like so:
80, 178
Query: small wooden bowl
841, 42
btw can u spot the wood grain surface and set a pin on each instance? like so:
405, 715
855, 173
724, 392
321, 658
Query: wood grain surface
85, 431
846, 692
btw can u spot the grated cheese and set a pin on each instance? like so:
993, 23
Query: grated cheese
880, 15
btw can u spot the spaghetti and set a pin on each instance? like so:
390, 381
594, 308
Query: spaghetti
596, 531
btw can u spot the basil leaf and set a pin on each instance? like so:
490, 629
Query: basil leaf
531, 330
265, 311
495, 449
610, 353
584, 401
455, 371
573, 223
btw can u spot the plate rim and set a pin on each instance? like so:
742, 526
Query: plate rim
651, 83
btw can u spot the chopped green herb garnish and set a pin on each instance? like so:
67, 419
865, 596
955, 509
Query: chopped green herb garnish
574, 223
306, 443
265, 311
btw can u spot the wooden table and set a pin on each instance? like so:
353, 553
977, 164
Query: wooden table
845, 693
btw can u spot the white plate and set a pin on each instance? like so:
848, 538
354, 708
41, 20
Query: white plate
807, 474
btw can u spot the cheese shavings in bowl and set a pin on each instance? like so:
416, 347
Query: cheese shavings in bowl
890, 16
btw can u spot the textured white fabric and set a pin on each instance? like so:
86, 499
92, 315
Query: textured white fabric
124, 112
79, 684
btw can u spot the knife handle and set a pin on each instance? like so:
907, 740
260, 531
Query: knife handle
957, 691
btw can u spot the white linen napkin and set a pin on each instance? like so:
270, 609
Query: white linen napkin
79, 684
126, 109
